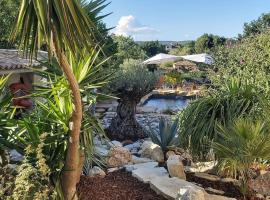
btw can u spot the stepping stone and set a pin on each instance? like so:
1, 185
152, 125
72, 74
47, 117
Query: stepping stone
169, 187
205, 176
214, 191
146, 174
150, 165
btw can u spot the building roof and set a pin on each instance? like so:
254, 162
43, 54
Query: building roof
13, 61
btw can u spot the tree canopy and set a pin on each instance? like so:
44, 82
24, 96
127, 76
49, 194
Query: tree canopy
153, 47
257, 26
8, 12
127, 48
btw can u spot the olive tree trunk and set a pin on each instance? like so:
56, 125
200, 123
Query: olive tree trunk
72, 162
125, 126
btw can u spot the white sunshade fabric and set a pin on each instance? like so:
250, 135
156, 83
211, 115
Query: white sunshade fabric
162, 58
200, 58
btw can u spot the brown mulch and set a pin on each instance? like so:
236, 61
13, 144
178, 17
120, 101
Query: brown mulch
119, 185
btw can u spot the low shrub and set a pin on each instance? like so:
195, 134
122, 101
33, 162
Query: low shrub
241, 145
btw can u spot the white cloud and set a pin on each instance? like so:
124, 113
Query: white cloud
129, 26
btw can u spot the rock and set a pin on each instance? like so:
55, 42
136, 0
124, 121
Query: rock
118, 157
205, 176
15, 156
176, 167
201, 167
170, 153
214, 191
157, 154
146, 174
115, 143
235, 182
170, 187
135, 145
259, 197
130, 168
216, 197
127, 142
110, 170
97, 141
191, 193
102, 150
137, 160
96, 171
152, 151
262, 184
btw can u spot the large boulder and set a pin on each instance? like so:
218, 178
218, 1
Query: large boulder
176, 167
152, 151
118, 157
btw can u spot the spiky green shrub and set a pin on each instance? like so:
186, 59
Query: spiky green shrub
240, 145
166, 136
198, 121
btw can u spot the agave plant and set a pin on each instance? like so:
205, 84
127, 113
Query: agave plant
240, 145
166, 136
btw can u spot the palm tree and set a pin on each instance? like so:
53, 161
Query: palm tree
61, 25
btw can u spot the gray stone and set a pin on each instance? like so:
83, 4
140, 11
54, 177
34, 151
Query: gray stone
115, 143
135, 145
214, 191
171, 187
149, 165
207, 177
15, 156
146, 174
102, 150
96, 171
191, 193
110, 170
137, 160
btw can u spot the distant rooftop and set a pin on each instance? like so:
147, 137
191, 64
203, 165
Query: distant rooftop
11, 60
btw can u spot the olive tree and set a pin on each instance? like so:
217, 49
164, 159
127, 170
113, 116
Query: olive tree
133, 81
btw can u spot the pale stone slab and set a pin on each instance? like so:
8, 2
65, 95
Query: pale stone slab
145, 174
149, 165
169, 187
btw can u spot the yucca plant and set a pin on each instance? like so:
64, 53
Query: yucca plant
166, 136
240, 145
61, 25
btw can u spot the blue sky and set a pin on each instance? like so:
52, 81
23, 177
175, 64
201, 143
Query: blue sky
182, 19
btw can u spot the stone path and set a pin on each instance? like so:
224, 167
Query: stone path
170, 188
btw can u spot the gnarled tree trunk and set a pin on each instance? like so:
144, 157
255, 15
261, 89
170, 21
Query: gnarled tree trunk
125, 126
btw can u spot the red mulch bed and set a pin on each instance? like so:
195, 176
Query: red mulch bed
119, 185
